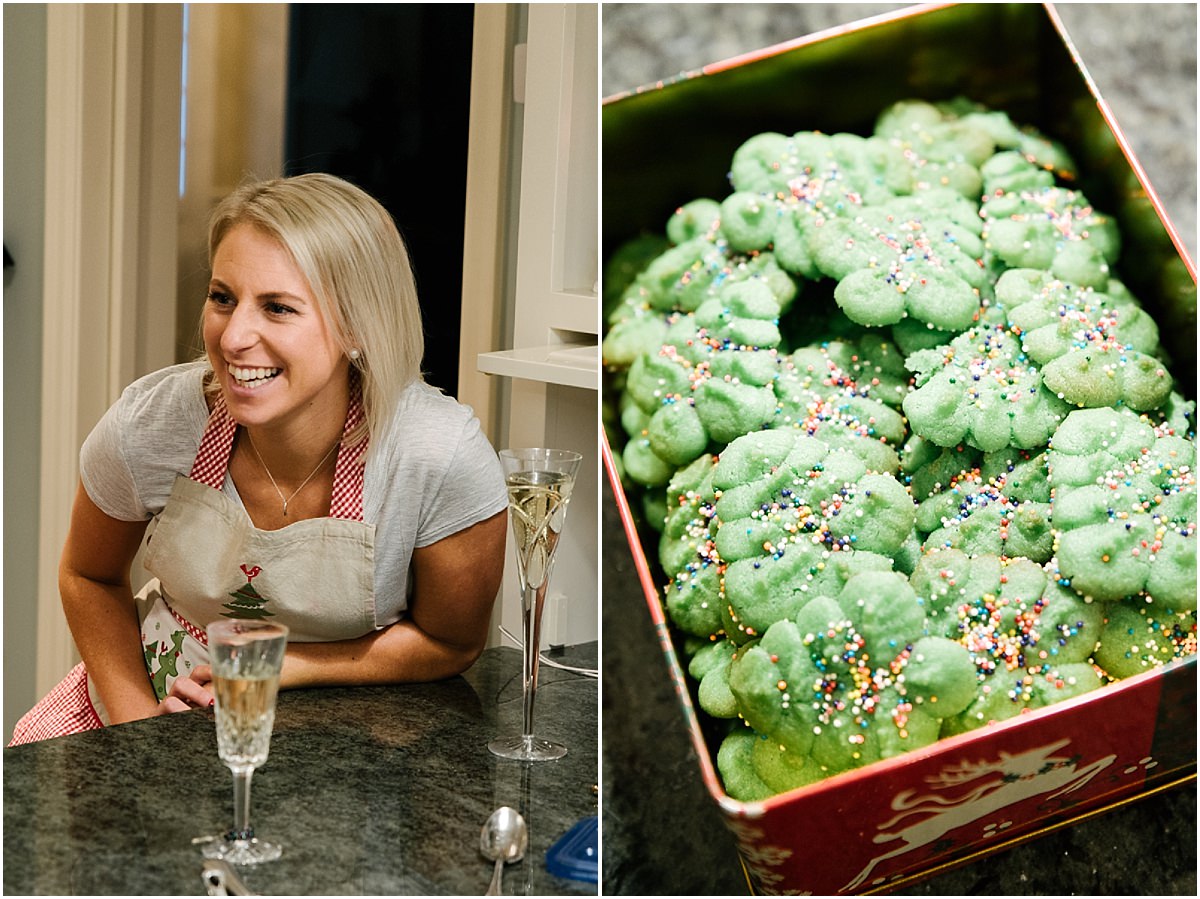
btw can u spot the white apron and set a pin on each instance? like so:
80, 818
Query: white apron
209, 561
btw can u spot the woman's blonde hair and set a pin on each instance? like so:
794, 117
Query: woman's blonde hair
350, 252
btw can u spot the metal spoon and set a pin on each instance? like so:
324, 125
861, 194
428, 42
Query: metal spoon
220, 880
503, 839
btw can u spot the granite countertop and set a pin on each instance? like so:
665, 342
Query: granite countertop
662, 832
370, 790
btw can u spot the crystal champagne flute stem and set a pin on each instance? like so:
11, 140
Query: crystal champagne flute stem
246, 658
532, 603
241, 804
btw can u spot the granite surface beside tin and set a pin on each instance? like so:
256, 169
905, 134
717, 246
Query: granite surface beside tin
662, 832
371, 791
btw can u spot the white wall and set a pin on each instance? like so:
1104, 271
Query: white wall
24, 214
553, 305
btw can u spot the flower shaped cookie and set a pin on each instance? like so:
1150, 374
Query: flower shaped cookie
846, 394
893, 262
1029, 638
1125, 507
981, 389
1095, 349
788, 508
853, 678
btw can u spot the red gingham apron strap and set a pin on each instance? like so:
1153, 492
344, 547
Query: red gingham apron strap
212, 459
347, 499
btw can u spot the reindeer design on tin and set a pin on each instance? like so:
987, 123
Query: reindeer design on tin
971, 791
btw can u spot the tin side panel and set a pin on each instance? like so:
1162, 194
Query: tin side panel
862, 830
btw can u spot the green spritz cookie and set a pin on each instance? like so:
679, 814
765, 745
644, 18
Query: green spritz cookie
709, 382
736, 766
1029, 143
846, 394
981, 389
978, 514
1095, 349
786, 187
947, 150
960, 131
928, 469
1011, 693
852, 679
1051, 228
969, 501
687, 552
890, 264
681, 279
732, 382
1139, 637
1008, 612
1125, 508
826, 172
787, 505
1030, 639
782, 769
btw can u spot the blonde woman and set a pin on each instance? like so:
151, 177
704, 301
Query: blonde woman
302, 471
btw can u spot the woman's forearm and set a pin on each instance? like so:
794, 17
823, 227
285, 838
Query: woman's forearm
399, 653
93, 581
104, 623
455, 585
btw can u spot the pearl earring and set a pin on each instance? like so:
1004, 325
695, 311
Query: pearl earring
354, 354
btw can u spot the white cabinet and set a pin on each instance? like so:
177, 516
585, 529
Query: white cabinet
552, 360
556, 310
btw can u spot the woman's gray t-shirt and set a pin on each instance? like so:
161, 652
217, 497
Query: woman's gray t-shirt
430, 475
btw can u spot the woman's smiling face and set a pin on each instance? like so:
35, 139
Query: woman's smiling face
272, 351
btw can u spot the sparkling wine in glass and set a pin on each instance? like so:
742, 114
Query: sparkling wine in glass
246, 658
539, 487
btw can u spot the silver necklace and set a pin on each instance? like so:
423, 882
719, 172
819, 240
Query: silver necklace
272, 477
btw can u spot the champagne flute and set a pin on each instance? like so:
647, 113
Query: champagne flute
246, 658
539, 487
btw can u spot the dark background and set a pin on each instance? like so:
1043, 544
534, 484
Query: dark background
379, 94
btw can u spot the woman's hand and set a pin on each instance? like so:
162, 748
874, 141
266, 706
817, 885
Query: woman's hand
187, 693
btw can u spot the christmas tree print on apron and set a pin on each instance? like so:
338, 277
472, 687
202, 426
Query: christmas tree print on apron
248, 602
167, 658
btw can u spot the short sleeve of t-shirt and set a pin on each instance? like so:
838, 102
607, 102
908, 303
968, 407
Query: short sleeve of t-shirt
431, 475
130, 460
434, 472
470, 490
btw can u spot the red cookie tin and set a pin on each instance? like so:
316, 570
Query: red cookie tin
886, 824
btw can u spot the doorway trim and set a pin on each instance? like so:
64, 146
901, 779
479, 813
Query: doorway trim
110, 233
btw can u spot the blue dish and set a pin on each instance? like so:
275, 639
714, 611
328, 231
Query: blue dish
575, 856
